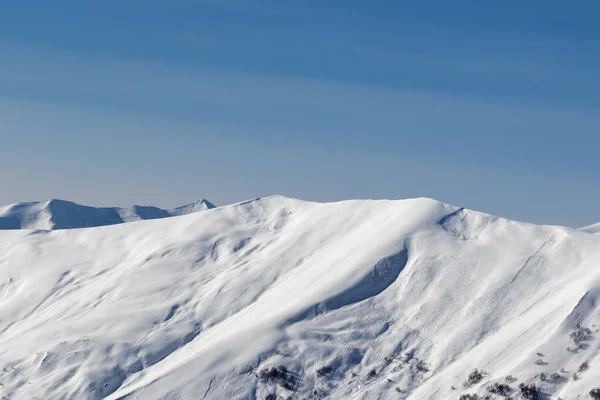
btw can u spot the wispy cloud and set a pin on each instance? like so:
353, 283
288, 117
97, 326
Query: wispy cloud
69, 74
271, 104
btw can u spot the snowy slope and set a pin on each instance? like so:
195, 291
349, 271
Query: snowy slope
60, 214
357, 299
595, 228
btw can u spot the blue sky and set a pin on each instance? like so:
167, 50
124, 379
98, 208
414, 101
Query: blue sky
488, 105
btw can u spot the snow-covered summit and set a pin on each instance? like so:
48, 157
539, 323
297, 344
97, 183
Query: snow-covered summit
61, 214
200, 205
277, 297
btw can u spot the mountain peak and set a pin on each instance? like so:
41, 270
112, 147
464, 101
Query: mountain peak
198, 205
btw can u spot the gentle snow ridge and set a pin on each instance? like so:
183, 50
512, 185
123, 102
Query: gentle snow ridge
61, 214
593, 229
356, 299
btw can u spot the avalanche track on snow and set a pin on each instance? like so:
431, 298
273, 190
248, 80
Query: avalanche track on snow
280, 298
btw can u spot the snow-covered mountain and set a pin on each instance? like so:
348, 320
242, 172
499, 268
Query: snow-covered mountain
595, 228
280, 298
61, 214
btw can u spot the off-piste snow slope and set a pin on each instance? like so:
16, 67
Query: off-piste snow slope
61, 214
280, 298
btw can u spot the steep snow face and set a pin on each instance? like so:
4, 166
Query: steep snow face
357, 300
60, 214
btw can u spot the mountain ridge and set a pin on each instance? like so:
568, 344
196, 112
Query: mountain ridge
593, 229
63, 214
379, 299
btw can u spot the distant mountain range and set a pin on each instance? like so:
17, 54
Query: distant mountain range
61, 214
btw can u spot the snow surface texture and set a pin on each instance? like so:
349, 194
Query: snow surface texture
60, 214
357, 300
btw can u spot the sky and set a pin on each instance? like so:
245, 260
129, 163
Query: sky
487, 105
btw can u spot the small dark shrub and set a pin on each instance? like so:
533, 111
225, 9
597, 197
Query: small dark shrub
579, 334
500, 389
595, 394
474, 378
325, 370
584, 367
270, 396
422, 367
529, 392
372, 374
474, 397
271, 374
555, 376
288, 382
267, 375
543, 377
280, 372
278, 375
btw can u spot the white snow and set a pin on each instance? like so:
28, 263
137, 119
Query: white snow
61, 214
194, 307
594, 229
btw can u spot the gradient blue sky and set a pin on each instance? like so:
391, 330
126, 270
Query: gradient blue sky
488, 105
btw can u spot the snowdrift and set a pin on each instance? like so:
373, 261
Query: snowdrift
61, 214
277, 297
